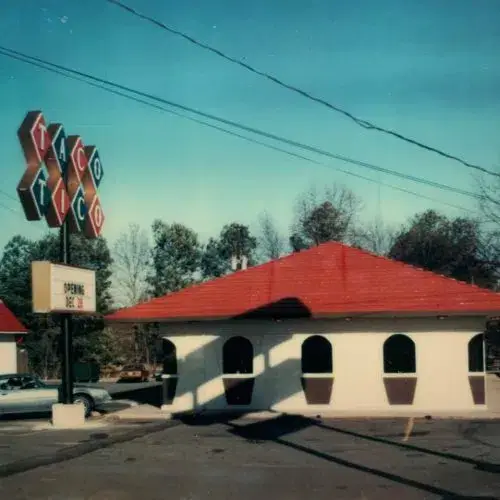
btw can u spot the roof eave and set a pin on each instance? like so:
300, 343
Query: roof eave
319, 315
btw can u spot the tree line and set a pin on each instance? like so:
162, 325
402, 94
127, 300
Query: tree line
139, 266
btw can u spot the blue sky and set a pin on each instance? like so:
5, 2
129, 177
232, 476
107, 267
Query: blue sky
428, 69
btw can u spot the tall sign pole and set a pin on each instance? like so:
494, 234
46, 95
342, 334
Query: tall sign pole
66, 323
60, 184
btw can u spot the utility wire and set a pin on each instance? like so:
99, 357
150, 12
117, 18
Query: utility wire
13, 198
17, 55
230, 132
362, 123
10, 209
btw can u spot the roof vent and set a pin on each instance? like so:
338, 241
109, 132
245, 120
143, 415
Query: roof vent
239, 263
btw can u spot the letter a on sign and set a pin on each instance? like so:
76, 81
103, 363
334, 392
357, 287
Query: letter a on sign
56, 158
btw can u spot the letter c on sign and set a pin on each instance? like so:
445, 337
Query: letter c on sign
80, 158
80, 204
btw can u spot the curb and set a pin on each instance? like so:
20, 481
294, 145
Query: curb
70, 452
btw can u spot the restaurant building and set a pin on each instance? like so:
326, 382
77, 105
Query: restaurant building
333, 329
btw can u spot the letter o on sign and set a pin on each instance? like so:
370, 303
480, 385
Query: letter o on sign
98, 216
97, 169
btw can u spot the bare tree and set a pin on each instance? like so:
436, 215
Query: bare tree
489, 200
131, 255
375, 236
271, 242
327, 215
489, 208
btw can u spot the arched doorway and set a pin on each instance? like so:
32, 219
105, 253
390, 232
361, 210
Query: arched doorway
400, 367
476, 359
317, 370
238, 371
170, 375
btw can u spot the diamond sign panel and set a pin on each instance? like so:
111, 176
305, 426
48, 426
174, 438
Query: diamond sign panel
56, 157
95, 219
78, 211
34, 138
78, 162
94, 173
34, 193
59, 202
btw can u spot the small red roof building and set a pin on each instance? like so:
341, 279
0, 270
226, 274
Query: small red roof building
9, 324
332, 279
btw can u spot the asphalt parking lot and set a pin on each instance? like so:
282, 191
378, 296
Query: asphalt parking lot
141, 392
282, 457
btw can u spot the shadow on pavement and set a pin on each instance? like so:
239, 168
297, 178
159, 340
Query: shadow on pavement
201, 419
25, 416
479, 464
150, 394
275, 429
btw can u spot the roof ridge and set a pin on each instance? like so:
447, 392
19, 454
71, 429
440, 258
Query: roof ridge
228, 276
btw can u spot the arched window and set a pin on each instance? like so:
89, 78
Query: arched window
169, 353
476, 353
237, 356
317, 355
399, 354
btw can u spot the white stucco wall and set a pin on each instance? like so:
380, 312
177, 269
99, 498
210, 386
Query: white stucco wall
8, 354
441, 359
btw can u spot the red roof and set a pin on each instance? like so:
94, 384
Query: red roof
330, 279
8, 322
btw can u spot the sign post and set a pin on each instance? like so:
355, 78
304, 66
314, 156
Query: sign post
65, 193
66, 325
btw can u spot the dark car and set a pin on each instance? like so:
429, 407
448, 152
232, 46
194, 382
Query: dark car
134, 373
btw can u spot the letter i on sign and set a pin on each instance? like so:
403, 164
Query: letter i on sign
62, 201
41, 186
59, 204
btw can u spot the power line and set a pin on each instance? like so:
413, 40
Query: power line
362, 123
230, 132
10, 209
13, 198
16, 55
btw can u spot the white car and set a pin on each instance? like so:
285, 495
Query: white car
25, 393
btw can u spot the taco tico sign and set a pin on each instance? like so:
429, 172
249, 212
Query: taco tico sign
62, 289
61, 179
60, 184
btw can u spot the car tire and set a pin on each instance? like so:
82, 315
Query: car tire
86, 401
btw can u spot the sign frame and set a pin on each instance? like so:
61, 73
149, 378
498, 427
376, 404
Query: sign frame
45, 293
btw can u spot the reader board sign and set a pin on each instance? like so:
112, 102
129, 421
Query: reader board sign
62, 289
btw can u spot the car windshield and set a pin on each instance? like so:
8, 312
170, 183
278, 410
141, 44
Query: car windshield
132, 367
12, 382
39, 382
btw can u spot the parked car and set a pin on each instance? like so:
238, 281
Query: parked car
26, 393
134, 373
158, 374
86, 372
